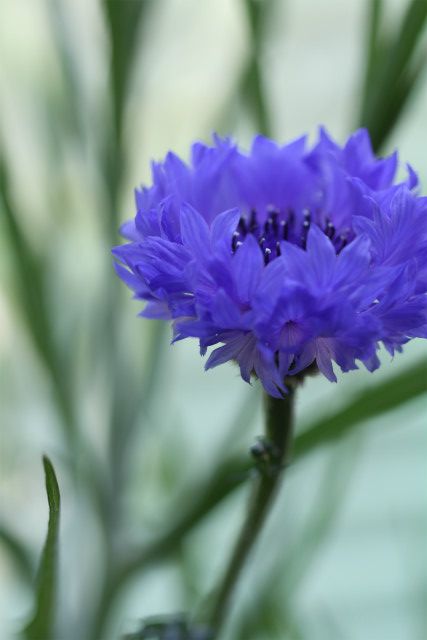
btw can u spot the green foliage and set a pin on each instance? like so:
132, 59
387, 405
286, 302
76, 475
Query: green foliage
30, 294
123, 21
17, 552
42, 623
393, 68
252, 90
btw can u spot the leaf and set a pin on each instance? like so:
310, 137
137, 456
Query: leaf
71, 109
27, 270
366, 405
41, 625
390, 67
29, 278
252, 90
17, 551
123, 20
373, 41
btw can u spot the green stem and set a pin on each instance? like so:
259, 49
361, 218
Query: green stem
272, 455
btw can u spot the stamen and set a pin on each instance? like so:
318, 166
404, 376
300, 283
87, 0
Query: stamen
284, 228
273, 219
234, 239
343, 242
305, 228
242, 226
330, 230
253, 222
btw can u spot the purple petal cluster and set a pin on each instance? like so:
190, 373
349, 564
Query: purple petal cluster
283, 258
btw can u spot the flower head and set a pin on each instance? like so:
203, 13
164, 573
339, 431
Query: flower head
284, 257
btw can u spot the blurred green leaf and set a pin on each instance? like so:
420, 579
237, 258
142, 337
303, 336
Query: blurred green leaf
130, 402
70, 109
373, 44
42, 623
27, 269
17, 551
252, 89
28, 273
392, 70
123, 21
366, 405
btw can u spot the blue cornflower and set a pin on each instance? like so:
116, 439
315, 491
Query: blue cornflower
287, 257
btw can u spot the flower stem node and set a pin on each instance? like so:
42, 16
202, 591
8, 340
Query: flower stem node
267, 456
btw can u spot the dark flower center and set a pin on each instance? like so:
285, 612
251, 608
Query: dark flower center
282, 226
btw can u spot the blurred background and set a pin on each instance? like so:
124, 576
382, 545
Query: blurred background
149, 450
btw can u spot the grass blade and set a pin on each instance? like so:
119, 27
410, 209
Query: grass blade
41, 626
252, 89
123, 21
373, 42
29, 270
389, 68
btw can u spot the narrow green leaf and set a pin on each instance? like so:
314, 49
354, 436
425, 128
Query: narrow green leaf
123, 21
252, 83
407, 37
366, 405
28, 271
403, 90
17, 551
373, 45
41, 626
71, 110
389, 62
